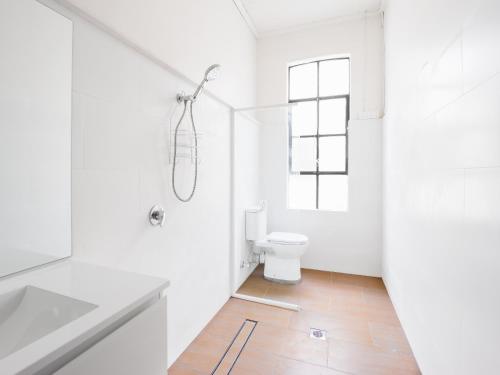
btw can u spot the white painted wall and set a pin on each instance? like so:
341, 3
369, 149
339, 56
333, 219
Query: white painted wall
246, 189
188, 35
442, 180
339, 241
122, 107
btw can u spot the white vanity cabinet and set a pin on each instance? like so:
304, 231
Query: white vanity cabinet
138, 347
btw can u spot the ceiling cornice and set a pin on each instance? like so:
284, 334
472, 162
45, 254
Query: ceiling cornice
246, 17
312, 25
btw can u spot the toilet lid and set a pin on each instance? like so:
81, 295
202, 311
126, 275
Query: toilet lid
287, 238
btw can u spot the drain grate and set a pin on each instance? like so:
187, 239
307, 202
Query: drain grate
233, 351
318, 334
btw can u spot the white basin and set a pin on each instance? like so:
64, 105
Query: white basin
29, 313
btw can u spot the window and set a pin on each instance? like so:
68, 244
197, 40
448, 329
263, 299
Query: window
318, 134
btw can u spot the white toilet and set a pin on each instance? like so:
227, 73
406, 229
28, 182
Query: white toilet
282, 250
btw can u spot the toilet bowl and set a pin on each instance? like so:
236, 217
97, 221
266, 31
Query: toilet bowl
282, 249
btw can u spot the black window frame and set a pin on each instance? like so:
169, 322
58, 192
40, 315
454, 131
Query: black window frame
318, 99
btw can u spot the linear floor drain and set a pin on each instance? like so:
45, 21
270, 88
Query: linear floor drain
233, 351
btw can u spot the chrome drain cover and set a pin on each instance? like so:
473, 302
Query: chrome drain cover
318, 334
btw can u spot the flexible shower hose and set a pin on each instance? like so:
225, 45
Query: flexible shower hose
195, 152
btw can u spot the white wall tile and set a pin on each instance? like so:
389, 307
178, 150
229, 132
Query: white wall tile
441, 180
481, 60
446, 78
187, 35
122, 108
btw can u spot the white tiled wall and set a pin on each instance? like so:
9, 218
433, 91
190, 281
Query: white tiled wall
442, 180
188, 35
122, 106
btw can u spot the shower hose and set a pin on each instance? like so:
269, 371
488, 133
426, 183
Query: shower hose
187, 199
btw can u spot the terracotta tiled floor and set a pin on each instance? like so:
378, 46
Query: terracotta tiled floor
364, 333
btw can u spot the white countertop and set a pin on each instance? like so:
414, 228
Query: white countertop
116, 293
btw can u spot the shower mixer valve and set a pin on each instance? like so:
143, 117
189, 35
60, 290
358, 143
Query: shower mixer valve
157, 216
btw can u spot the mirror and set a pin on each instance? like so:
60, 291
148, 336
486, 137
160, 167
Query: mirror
35, 135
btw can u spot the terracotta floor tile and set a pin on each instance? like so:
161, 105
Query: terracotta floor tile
204, 353
363, 281
287, 366
252, 291
364, 333
367, 359
223, 325
289, 343
299, 346
377, 298
338, 328
258, 272
389, 337
258, 282
347, 295
316, 276
180, 369
258, 312
318, 303
282, 294
255, 362
366, 312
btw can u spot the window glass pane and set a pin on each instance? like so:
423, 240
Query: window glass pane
334, 77
302, 191
333, 192
303, 154
303, 81
304, 118
332, 154
332, 114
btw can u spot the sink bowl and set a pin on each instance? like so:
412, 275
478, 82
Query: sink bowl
29, 313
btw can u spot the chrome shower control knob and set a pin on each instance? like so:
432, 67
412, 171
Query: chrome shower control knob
157, 216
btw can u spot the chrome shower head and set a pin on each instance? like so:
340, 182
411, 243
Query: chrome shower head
212, 72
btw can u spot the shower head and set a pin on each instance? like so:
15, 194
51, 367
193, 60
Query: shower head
210, 74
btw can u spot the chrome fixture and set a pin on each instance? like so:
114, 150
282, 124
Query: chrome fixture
210, 74
157, 216
318, 334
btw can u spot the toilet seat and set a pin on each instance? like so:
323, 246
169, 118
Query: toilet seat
285, 238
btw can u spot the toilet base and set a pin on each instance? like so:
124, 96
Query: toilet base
282, 270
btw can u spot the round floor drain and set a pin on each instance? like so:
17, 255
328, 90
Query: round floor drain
318, 334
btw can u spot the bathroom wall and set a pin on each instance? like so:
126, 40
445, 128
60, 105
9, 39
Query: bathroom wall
123, 106
246, 189
339, 241
188, 35
442, 180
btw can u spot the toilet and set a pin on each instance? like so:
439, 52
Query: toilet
282, 249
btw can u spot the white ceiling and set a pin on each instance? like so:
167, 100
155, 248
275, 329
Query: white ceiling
269, 16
